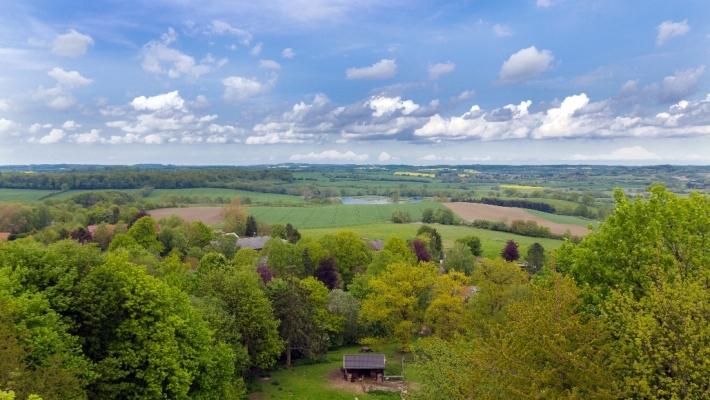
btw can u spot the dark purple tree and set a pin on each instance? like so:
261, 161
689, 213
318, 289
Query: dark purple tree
136, 217
81, 235
327, 273
510, 251
420, 250
265, 273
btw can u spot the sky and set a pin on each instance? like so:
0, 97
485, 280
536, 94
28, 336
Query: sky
359, 81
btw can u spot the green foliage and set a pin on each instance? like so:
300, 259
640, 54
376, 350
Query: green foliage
535, 258
144, 232
349, 251
401, 217
251, 228
473, 243
246, 257
459, 258
346, 307
394, 250
282, 257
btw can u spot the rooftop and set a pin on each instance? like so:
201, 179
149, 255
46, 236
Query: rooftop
364, 361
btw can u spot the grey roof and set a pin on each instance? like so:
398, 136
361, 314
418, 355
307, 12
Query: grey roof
256, 242
364, 361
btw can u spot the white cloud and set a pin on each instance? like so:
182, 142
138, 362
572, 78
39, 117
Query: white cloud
238, 88
383, 69
57, 98
465, 95
330, 156
256, 50
382, 105
7, 125
525, 64
87, 138
224, 28
161, 102
54, 136
670, 29
160, 58
502, 30
544, 3
681, 84
437, 70
384, 157
559, 121
4, 105
71, 44
70, 125
269, 64
288, 53
68, 79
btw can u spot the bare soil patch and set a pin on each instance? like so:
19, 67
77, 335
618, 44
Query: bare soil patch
208, 215
473, 211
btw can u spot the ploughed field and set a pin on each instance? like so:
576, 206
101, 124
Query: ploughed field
474, 211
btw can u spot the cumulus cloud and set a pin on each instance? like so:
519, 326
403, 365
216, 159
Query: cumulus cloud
161, 102
560, 121
71, 44
383, 69
224, 28
70, 125
544, 3
439, 69
330, 156
502, 30
90, 137
238, 88
269, 64
384, 157
670, 29
56, 135
68, 79
526, 64
256, 50
382, 105
57, 98
160, 58
288, 53
7, 126
681, 84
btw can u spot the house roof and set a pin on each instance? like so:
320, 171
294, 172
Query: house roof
364, 361
5, 235
256, 242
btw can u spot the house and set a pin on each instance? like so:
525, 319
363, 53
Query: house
359, 366
5, 236
256, 242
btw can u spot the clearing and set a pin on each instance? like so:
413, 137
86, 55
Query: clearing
208, 215
473, 211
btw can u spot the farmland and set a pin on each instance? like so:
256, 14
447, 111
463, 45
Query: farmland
476, 211
22, 195
492, 241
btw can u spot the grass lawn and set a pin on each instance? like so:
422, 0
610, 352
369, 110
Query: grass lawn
213, 193
337, 215
311, 381
22, 195
491, 241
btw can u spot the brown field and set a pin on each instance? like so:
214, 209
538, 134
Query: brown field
208, 215
473, 211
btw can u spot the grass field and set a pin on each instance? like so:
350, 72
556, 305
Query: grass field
322, 381
491, 241
213, 193
22, 195
337, 215
565, 219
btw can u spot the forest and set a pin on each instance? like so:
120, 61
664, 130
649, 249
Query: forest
134, 308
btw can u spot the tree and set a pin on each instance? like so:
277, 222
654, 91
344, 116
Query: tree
81, 235
235, 218
298, 327
242, 315
459, 258
282, 257
292, 234
535, 258
348, 250
428, 216
278, 231
401, 217
198, 234
420, 250
444, 216
396, 300
446, 315
144, 232
146, 340
327, 273
433, 240
394, 250
252, 227
473, 243
102, 236
347, 308
510, 251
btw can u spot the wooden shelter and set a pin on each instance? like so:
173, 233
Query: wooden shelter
359, 366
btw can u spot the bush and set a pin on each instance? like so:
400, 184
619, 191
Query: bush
401, 217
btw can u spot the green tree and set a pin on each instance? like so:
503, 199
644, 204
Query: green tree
428, 216
252, 227
432, 238
282, 257
473, 243
459, 258
349, 251
144, 232
394, 250
347, 308
535, 258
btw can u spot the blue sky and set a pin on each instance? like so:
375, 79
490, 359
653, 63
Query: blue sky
460, 82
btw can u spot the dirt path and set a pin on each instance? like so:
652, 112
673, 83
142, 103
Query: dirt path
473, 211
208, 215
